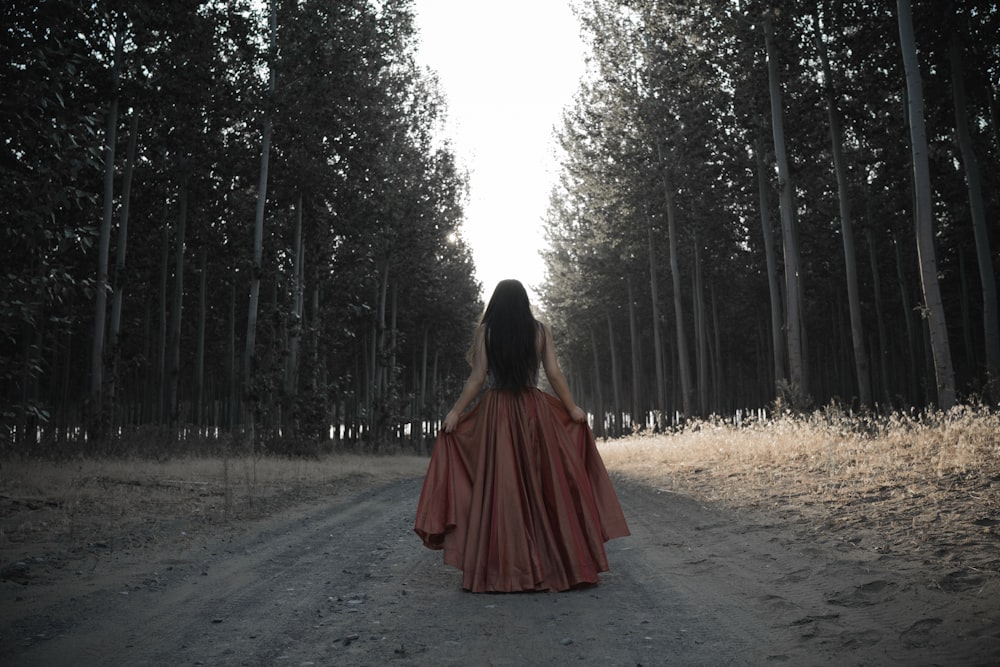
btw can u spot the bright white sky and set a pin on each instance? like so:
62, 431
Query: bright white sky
507, 69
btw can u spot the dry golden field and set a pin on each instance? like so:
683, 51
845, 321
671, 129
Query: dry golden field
926, 484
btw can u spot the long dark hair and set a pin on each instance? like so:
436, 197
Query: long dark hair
510, 336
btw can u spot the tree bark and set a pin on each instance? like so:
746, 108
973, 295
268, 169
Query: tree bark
232, 366
120, 281
683, 363
911, 330
615, 379
861, 368
923, 214
199, 357
977, 212
104, 242
657, 336
298, 291
700, 332
789, 237
599, 412
161, 394
717, 365
774, 287
258, 235
174, 370
638, 418
883, 355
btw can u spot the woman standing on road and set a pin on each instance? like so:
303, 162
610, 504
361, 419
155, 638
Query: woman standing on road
516, 493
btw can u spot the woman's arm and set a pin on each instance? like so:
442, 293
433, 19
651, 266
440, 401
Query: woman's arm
556, 378
477, 376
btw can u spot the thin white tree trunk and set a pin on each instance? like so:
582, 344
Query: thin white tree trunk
789, 237
615, 378
923, 214
683, 363
700, 332
657, 335
774, 287
638, 418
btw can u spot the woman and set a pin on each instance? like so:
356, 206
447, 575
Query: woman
516, 494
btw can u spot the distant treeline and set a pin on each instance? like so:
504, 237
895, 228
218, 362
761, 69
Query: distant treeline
780, 204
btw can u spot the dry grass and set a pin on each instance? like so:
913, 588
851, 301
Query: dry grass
130, 503
927, 483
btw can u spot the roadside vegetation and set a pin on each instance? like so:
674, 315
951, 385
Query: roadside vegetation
925, 482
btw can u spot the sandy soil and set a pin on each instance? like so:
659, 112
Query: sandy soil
339, 578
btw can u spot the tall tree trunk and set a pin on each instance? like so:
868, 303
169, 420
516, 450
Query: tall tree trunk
717, 365
173, 381
774, 287
161, 393
379, 356
104, 243
298, 291
934, 307
977, 212
120, 282
861, 369
911, 329
970, 349
232, 366
199, 359
789, 236
615, 378
391, 380
683, 362
883, 355
638, 418
150, 381
657, 336
700, 331
258, 234
422, 412
599, 412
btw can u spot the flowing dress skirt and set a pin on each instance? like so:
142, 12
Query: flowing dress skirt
518, 498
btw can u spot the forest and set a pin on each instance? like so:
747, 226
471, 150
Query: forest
779, 205
239, 222
228, 221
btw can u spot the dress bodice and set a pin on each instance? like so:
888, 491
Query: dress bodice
491, 379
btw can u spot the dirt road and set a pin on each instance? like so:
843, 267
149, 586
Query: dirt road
346, 582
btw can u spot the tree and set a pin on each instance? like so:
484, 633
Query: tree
789, 234
847, 230
923, 215
977, 210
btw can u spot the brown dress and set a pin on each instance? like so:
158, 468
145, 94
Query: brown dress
518, 497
